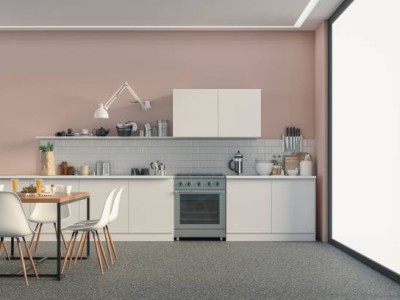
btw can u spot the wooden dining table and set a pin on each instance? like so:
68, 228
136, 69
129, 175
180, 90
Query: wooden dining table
58, 199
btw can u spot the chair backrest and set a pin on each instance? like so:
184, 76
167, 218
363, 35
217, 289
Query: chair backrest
13, 222
48, 211
115, 206
106, 209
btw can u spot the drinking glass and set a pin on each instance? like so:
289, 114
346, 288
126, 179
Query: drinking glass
14, 183
38, 185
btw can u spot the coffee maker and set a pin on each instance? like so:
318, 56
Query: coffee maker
237, 163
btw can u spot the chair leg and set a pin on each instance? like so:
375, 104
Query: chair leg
5, 248
108, 245
102, 251
62, 236
28, 251
72, 251
34, 235
98, 253
112, 242
80, 246
38, 238
21, 255
84, 244
68, 250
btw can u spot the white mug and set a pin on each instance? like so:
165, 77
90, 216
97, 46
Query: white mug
85, 131
68, 189
1, 187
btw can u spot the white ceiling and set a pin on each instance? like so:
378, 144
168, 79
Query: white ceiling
164, 14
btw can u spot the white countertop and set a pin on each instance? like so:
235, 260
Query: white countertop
87, 177
151, 177
268, 177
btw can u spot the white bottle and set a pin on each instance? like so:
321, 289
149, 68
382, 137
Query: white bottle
306, 166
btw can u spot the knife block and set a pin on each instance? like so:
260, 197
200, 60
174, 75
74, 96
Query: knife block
292, 144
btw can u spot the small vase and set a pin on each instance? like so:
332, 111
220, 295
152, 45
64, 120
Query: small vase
47, 165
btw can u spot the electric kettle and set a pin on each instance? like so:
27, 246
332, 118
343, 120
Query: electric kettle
237, 163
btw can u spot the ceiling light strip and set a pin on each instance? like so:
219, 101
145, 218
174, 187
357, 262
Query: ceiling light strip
306, 13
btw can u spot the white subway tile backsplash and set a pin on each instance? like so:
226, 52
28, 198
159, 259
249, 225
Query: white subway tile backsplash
180, 156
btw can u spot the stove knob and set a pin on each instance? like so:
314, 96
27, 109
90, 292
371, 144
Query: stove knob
209, 183
199, 183
217, 184
189, 183
180, 183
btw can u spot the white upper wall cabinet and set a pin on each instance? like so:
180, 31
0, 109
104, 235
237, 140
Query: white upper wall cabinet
239, 113
195, 113
217, 113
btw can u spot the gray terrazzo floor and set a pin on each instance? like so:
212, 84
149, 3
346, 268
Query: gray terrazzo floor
209, 270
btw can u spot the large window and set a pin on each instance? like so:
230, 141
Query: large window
365, 130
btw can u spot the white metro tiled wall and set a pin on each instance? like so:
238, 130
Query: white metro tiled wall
189, 155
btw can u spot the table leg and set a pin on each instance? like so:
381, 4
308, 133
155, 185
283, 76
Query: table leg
58, 241
88, 218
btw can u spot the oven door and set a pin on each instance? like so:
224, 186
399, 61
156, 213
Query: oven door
200, 209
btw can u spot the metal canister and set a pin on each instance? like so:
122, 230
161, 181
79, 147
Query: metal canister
162, 127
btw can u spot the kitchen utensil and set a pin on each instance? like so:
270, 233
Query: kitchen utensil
60, 133
124, 129
100, 131
292, 161
264, 167
238, 163
154, 166
70, 132
145, 171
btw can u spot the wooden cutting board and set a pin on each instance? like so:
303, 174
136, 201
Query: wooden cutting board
292, 161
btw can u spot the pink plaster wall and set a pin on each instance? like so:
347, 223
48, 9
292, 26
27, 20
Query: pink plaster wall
51, 81
321, 129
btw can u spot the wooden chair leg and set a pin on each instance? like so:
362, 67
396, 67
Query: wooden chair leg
84, 244
5, 248
81, 242
62, 235
112, 242
34, 235
38, 238
98, 253
108, 245
102, 251
21, 255
68, 250
72, 251
28, 251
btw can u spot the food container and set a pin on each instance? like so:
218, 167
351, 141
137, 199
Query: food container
124, 129
162, 127
264, 167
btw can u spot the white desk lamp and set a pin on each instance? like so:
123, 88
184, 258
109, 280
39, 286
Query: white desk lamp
102, 111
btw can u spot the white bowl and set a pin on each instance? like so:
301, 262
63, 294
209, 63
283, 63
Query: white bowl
293, 172
264, 167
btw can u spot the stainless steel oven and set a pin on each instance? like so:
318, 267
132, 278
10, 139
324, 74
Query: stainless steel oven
200, 206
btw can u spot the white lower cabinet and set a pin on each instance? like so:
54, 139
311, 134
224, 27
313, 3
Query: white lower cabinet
99, 190
293, 206
151, 207
248, 207
270, 209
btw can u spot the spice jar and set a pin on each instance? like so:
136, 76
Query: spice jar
71, 170
64, 168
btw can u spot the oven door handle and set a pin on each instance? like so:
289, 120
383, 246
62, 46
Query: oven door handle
199, 192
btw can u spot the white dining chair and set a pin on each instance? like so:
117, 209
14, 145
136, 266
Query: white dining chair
113, 216
46, 213
86, 229
14, 224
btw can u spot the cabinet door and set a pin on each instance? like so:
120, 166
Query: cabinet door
240, 113
151, 207
248, 206
75, 206
293, 206
99, 190
195, 113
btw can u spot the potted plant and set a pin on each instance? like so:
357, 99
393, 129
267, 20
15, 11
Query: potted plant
47, 164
